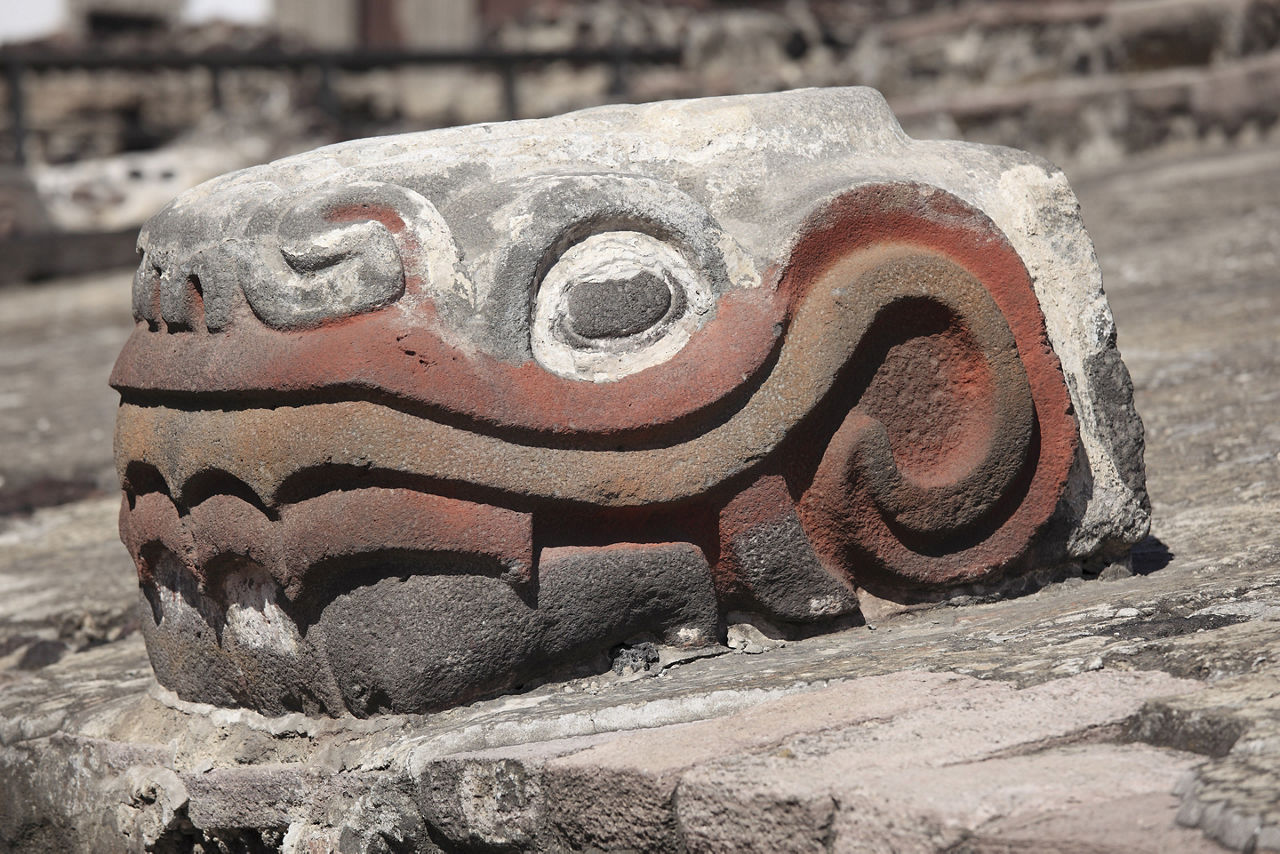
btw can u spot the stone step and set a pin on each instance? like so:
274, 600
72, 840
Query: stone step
1106, 117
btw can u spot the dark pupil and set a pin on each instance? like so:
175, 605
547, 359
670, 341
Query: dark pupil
616, 309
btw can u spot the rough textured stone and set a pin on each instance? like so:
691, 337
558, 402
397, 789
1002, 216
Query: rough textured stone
1188, 247
384, 439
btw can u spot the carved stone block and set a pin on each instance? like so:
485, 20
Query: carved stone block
413, 420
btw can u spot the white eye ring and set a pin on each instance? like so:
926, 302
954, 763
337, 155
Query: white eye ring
648, 331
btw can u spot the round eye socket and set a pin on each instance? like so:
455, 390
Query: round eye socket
616, 303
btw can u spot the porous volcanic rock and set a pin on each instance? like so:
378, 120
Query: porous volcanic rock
415, 420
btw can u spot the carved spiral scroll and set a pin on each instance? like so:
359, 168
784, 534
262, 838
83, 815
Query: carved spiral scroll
348, 249
960, 436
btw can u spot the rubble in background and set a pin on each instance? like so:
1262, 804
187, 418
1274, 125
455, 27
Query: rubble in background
1077, 80
1083, 82
120, 191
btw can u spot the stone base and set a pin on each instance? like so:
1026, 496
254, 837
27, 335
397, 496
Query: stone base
1067, 719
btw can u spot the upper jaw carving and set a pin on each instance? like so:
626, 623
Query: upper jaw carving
351, 229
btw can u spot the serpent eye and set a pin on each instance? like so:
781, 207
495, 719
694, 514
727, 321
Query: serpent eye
619, 305
614, 304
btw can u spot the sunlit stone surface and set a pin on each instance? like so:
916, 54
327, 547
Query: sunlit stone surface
414, 420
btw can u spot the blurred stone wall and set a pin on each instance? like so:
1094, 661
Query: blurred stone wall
1090, 80
1084, 82
453, 24
1098, 78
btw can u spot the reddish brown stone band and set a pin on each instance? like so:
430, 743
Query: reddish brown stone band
319, 530
388, 355
869, 497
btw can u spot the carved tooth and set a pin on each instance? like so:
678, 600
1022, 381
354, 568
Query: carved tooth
146, 289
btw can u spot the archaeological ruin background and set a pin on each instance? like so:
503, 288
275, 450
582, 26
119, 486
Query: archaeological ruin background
1125, 703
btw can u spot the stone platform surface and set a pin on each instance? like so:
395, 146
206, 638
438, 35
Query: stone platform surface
1131, 712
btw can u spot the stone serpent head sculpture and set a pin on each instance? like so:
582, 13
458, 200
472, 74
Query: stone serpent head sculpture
414, 420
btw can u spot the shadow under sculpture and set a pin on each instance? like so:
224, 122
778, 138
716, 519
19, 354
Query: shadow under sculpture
414, 420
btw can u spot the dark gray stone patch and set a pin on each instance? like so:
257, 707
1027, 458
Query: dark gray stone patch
617, 309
